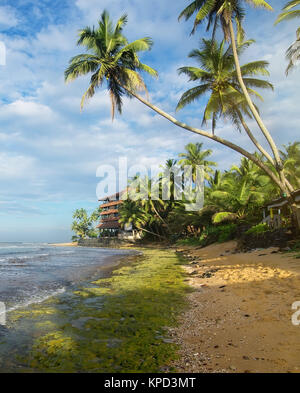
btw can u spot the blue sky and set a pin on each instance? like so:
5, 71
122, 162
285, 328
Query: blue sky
49, 151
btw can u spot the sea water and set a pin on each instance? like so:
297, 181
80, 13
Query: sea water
32, 272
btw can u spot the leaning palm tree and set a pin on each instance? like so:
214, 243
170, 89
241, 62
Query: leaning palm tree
217, 78
293, 52
226, 12
110, 58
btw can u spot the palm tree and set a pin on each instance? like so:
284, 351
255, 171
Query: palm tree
132, 213
293, 52
240, 192
217, 77
291, 163
150, 200
110, 57
117, 62
195, 156
171, 182
225, 12
209, 10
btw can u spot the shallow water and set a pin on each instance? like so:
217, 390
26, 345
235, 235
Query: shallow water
31, 272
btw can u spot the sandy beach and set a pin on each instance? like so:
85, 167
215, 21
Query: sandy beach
71, 244
239, 315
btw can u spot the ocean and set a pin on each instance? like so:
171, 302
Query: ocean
33, 272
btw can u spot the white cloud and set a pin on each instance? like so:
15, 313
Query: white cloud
8, 17
55, 38
59, 148
16, 166
28, 109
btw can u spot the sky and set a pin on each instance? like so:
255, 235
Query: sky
50, 151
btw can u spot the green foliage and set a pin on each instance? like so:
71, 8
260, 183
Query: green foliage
220, 234
217, 79
211, 234
194, 156
235, 196
296, 246
239, 193
189, 241
224, 216
83, 224
291, 163
219, 12
110, 58
257, 229
293, 52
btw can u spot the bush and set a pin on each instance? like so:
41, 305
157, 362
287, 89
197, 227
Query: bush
190, 241
212, 234
257, 229
220, 234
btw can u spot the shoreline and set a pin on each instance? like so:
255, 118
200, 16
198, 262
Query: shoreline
70, 244
182, 310
99, 326
239, 314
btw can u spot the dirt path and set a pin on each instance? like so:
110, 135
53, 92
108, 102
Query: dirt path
239, 318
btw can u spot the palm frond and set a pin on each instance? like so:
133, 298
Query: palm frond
288, 16
191, 95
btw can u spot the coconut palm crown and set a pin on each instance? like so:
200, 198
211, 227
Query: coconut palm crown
217, 78
194, 156
293, 52
112, 58
219, 12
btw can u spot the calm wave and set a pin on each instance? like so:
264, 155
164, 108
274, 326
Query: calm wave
30, 272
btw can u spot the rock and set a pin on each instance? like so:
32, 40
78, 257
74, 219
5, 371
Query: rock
168, 340
285, 249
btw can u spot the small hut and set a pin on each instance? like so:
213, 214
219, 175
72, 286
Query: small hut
276, 212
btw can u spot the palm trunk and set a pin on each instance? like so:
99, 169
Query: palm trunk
254, 140
260, 148
280, 182
287, 188
215, 138
160, 217
253, 109
152, 233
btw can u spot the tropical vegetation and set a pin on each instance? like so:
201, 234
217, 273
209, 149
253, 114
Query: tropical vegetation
83, 224
233, 198
110, 57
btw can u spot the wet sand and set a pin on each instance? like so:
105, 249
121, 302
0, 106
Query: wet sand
239, 315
